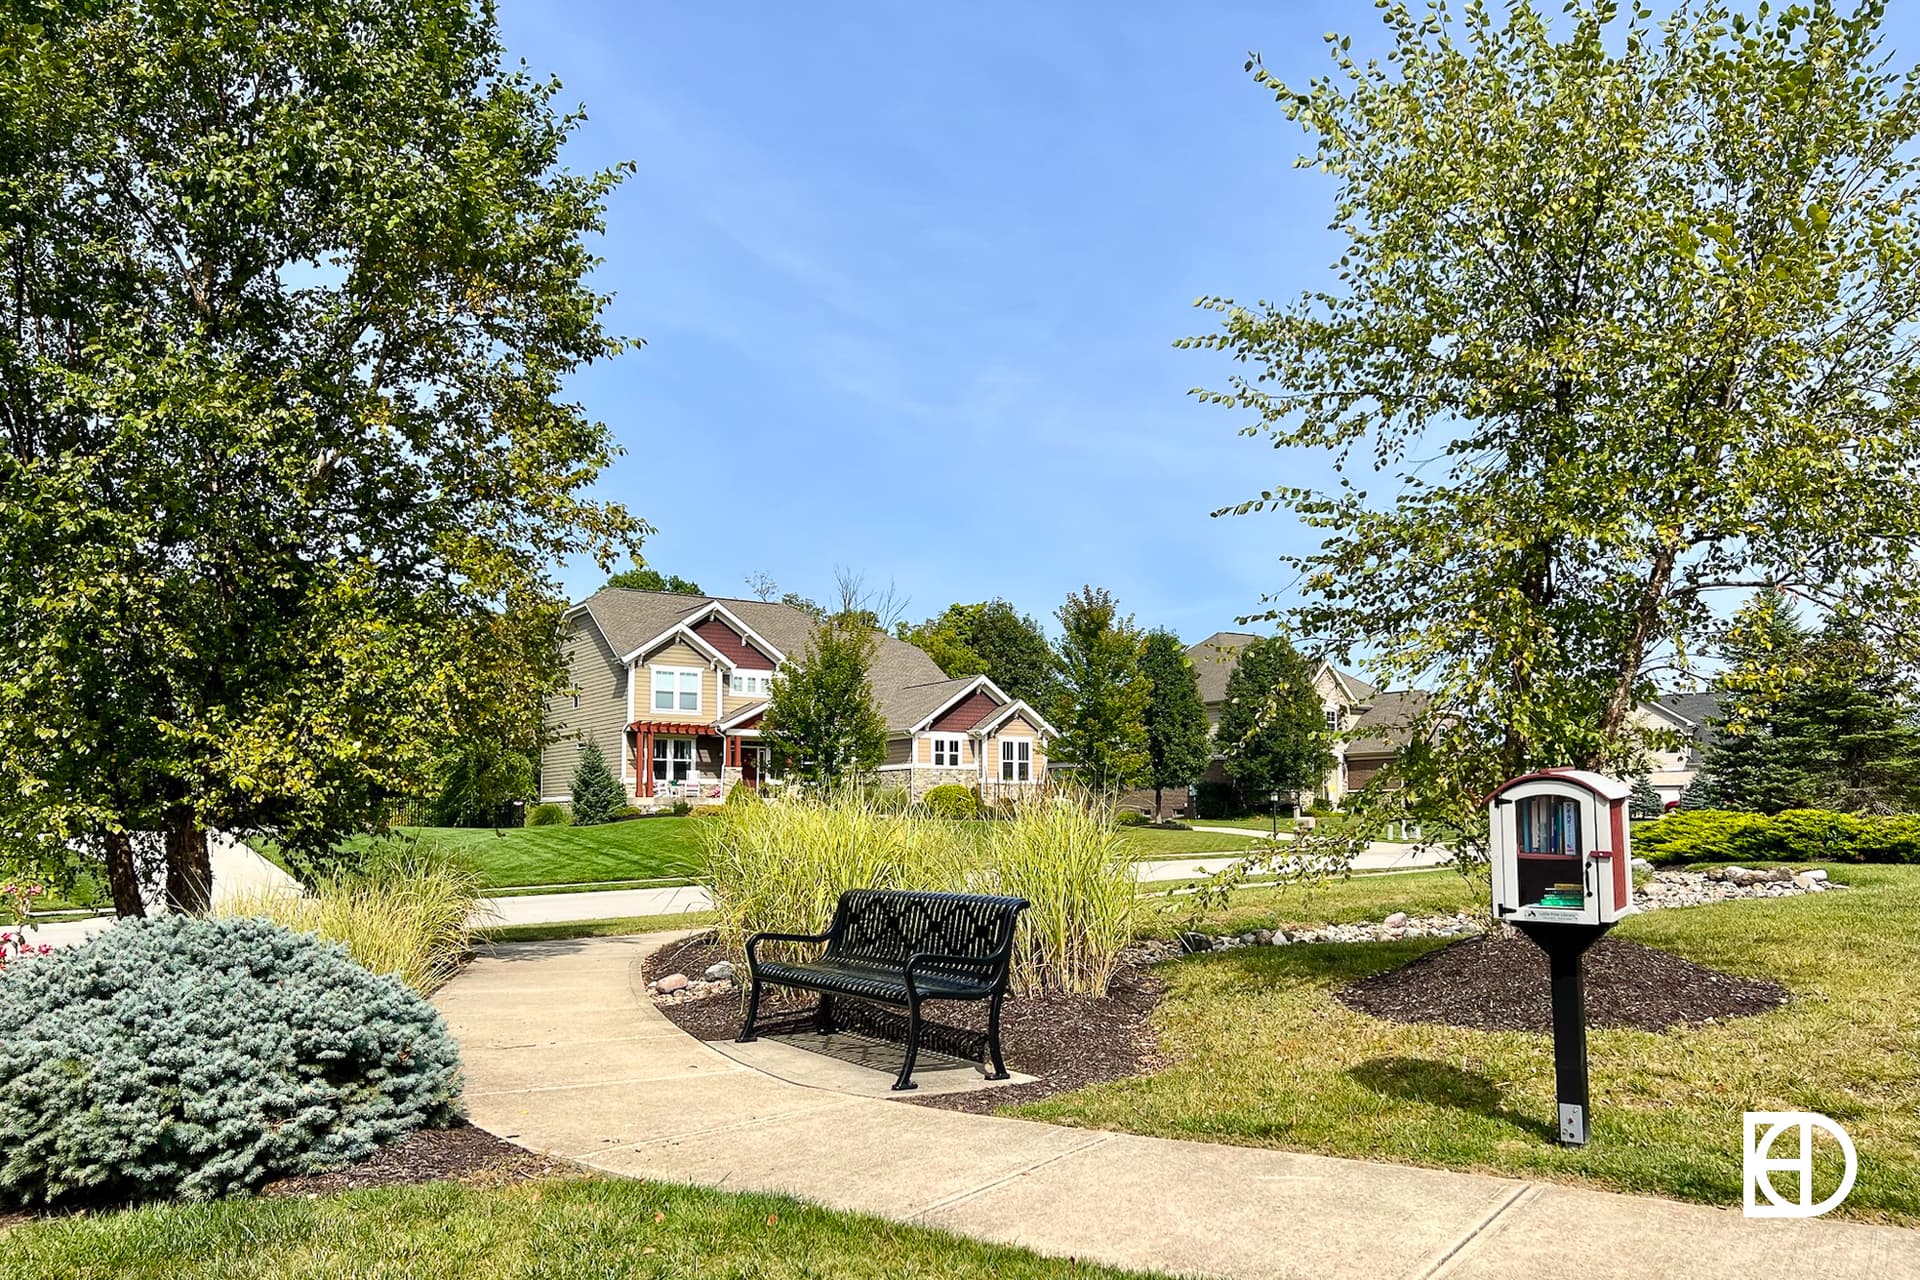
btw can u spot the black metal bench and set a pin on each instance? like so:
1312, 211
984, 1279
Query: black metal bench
889, 946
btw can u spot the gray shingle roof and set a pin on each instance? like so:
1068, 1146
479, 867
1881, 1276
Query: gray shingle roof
1700, 709
1213, 660
1383, 728
903, 677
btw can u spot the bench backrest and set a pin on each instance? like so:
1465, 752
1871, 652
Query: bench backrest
892, 925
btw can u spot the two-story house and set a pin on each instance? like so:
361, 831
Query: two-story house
672, 689
1370, 725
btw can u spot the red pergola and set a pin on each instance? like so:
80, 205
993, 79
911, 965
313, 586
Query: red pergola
643, 731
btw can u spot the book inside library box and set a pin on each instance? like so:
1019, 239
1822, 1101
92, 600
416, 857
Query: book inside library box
1549, 863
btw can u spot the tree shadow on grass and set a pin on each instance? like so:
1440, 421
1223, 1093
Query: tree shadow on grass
1443, 1085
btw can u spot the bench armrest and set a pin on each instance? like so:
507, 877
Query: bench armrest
993, 966
753, 943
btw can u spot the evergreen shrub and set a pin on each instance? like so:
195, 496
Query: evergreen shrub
951, 801
1797, 835
198, 1057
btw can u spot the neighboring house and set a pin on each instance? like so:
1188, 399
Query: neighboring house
1371, 726
1690, 715
672, 687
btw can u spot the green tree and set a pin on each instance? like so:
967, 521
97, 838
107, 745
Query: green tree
1622, 321
1101, 704
993, 639
597, 796
1273, 726
822, 724
644, 577
481, 783
1178, 745
1809, 720
1645, 802
291, 295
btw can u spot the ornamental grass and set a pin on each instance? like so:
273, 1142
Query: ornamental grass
780, 866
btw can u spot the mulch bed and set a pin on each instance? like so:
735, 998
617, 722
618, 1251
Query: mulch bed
1067, 1042
461, 1153
1500, 984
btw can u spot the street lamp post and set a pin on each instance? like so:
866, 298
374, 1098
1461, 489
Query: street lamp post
1273, 805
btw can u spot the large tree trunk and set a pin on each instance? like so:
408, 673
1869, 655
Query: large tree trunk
1646, 617
123, 876
189, 867
1156, 803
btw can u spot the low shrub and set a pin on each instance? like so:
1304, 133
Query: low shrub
198, 1057
1796, 835
405, 910
742, 794
951, 801
547, 815
681, 808
1130, 818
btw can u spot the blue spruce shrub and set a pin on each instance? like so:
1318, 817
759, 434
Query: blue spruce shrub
196, 1058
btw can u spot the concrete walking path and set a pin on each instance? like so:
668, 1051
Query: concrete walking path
565, 1054
238, 869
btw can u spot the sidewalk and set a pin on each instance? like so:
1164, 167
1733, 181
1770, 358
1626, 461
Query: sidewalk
609, 904
565, 1054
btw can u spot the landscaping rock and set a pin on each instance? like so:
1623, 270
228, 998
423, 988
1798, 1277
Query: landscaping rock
1191, 941
721, 972
671, 983
1398, 920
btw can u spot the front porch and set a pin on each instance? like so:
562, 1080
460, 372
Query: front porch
672, 762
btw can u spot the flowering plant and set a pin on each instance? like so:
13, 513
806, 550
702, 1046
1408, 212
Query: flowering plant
16, 913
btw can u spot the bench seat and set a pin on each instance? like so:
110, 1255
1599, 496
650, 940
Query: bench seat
899, 947
867, 980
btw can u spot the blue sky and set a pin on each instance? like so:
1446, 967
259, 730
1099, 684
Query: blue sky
909, 278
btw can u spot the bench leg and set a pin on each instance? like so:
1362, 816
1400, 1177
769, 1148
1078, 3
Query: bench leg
824, 1020
999, 1071
746, 1035
913, 1048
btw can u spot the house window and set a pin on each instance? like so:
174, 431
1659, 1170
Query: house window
676, 689
946, 753
672, 759
1333, 719
1016, 760
757, 683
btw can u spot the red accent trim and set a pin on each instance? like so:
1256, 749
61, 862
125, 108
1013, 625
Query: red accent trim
1556, 774
1622, 856
735, 647
970, 711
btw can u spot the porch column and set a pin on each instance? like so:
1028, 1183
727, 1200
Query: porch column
646, 763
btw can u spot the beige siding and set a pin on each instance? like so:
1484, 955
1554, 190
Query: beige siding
923, 748
682, 656
600, 680
1017, 727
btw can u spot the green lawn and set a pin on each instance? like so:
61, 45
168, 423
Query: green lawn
617, 926
1147, 842
643, 849
1265, 1056
576, 1229
1366, 896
